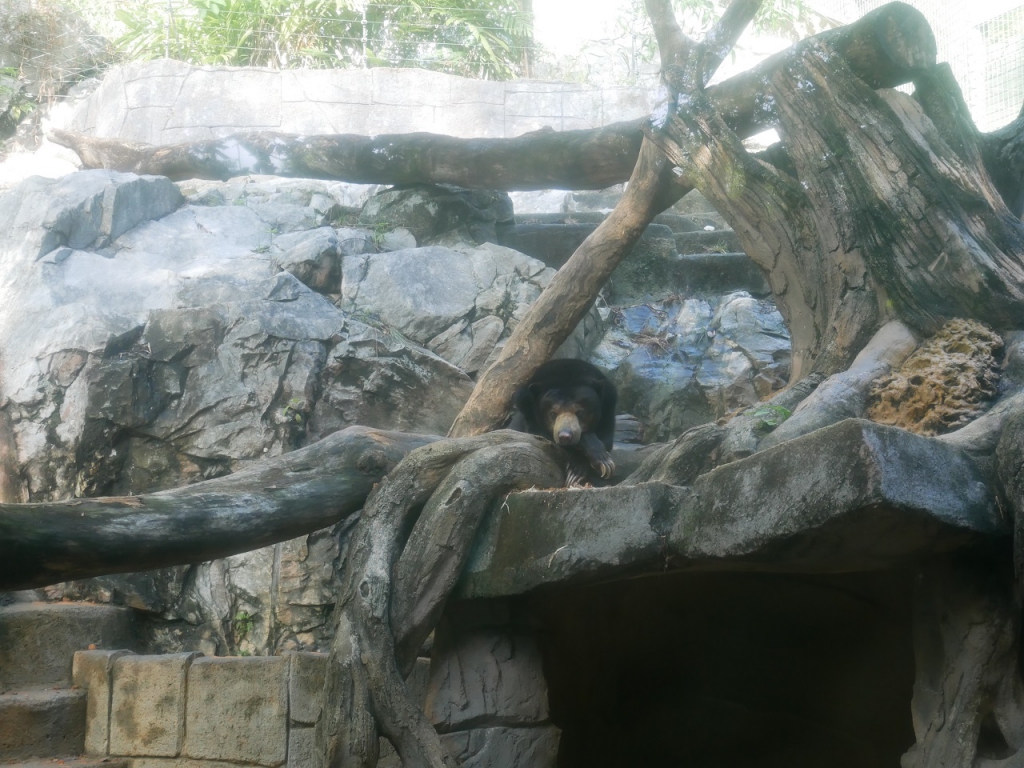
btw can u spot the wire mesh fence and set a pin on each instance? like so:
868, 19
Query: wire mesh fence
983, 41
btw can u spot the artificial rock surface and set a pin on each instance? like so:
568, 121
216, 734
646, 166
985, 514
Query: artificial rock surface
149, 342
159, 334
856, 496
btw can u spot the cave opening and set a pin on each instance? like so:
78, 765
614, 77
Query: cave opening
731, 669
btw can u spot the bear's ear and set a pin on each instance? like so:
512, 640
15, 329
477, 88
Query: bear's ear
536, 391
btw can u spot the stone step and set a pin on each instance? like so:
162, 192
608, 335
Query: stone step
71, 762
716, 241
42, 723
38, 640
677, 222
720, 273
554, 243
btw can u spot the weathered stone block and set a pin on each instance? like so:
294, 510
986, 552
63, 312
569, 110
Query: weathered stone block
471, 120
302, 748
487, 677
153, 91
238, 710
145, 124
504, 747
92, 672
147, 712
343, 87
618, 104
398, 87
399, 118
305, 685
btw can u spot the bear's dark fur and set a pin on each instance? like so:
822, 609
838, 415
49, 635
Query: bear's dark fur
573, 404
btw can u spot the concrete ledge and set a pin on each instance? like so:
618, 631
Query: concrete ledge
853, 496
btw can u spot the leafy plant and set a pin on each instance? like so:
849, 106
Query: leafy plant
294, 412
243, 625
770, 416
380, 231
14, 104
485, 38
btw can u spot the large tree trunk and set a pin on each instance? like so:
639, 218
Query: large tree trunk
883, 214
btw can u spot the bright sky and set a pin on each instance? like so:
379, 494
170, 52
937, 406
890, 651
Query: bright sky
562, 25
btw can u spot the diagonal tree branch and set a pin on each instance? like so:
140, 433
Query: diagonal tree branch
687, 66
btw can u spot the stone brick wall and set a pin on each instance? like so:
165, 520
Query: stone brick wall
166, 102
485, 691
184, 709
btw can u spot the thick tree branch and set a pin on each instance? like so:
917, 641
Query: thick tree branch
884, 48
270, 501
687, 66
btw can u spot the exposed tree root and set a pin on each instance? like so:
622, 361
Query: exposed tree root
391, 598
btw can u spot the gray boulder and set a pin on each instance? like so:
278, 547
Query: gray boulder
431, 210
461, 302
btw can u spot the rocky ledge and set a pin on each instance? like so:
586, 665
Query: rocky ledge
855, 496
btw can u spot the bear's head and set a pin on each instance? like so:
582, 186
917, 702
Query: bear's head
567, 413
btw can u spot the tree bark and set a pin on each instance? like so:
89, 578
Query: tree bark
888, 217
271, 501
884, 48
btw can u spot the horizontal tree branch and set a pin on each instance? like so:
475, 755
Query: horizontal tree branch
271, 501
884, 48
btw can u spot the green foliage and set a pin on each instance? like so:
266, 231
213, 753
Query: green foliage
243, 625
770, 416
632, 42
14, 104
791, 19
293, 412
481, 38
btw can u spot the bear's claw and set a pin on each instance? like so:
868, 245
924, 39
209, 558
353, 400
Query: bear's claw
606, 468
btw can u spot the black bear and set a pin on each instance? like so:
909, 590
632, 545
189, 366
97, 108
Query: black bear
572, 403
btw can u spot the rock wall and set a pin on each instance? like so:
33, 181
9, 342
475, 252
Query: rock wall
166, 102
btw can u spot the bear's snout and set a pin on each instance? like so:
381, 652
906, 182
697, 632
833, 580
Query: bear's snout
567, 429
